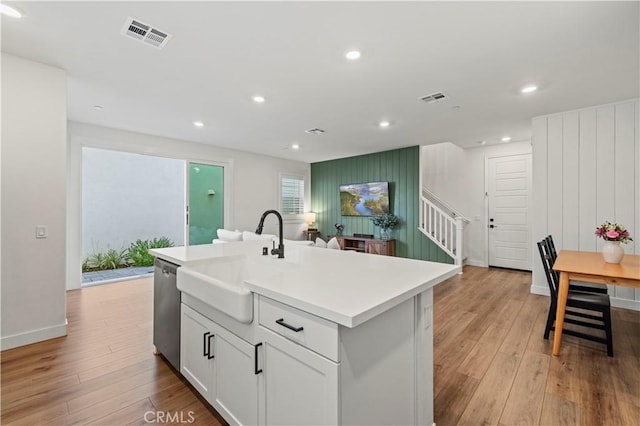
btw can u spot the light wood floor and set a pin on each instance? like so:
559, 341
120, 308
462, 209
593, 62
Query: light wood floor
103, 372
491, 364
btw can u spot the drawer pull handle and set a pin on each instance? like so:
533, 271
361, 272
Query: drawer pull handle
290, 327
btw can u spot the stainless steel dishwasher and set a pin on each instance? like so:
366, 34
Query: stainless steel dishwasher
166, 312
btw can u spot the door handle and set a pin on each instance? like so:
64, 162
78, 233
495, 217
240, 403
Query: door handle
255, 357
210, 355
204, 344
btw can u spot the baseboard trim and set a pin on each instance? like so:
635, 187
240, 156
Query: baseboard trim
625, 303
33, 336
538, 289
474, 262
616, 302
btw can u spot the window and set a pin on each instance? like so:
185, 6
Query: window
291, 194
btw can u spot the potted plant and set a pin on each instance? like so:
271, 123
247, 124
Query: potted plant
386, 222
339, 228
613, 234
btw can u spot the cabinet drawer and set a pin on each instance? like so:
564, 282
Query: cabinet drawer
301, 327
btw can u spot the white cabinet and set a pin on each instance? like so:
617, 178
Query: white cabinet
221, 366
294, 368
299, 386
234, 392
195, 340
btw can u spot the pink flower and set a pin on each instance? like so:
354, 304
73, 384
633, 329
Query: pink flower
599, 232
625, 234
612, 234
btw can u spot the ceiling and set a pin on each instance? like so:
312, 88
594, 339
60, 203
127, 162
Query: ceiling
479, 54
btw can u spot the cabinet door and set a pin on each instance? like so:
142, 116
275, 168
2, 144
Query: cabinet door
300, 387
383, 247
234, 392
195, 341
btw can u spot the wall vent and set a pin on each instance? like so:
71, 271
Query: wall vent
315, 131
145, 33
434, 97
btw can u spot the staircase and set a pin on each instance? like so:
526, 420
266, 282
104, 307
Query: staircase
442, 225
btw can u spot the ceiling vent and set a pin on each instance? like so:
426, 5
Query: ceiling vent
315, 131
434, 97
145, 33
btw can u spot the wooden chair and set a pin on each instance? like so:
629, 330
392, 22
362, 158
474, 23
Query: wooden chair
580, 300
584, 287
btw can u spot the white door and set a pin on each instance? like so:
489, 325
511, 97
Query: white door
234, 390
509, 199
195, 354
300, 387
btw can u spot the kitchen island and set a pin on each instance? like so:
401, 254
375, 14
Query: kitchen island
326, 337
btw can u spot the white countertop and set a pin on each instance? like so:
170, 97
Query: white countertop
186, 255
345, 287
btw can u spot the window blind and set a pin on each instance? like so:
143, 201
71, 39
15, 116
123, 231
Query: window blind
292, 191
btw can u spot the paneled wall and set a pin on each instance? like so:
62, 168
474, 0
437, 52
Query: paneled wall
401, 169
586, 171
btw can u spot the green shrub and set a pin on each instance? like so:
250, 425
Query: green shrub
137, 255
111, 259
139, 251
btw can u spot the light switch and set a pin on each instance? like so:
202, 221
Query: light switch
427, 316
41, 231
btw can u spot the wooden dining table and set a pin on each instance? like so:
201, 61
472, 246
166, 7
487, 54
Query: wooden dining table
587, 266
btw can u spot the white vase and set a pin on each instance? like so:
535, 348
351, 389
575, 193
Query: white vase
612, 252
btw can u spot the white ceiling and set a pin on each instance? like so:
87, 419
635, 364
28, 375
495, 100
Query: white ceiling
479, 54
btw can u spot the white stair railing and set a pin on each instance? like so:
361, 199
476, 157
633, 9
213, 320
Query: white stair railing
445, 230
443, 205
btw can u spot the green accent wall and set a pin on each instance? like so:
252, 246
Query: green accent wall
399, 167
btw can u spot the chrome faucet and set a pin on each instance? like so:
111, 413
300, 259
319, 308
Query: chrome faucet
280, 250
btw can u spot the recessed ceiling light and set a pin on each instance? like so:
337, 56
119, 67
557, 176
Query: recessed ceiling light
384, 124
529, 89
481, 142
295, 146
352, 55
97, 107
506, 139
258, 99
198, 123
10, 11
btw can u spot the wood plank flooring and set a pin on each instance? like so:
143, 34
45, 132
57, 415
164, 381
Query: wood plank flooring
103, 372
492, 365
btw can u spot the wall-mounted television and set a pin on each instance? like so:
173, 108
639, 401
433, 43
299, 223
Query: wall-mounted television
364, 199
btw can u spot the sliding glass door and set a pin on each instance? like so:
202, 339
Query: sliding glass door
205, 202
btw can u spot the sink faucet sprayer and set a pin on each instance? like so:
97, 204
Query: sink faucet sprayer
280, 250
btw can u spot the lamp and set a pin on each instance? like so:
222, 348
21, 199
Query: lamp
310, 217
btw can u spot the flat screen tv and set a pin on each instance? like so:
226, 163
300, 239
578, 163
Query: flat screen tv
364, 199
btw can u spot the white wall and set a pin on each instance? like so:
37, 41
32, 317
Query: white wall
34, 148
586, 170
457, 176
127, 196
254, 182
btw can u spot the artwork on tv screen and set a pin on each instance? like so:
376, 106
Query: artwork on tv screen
364, 199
